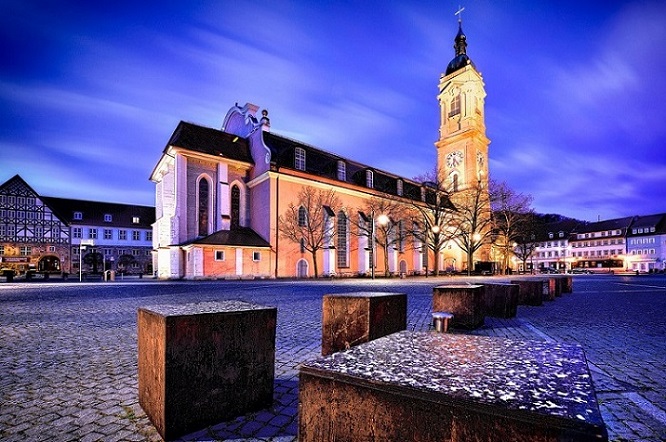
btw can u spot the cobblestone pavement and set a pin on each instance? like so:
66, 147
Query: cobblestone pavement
68, 351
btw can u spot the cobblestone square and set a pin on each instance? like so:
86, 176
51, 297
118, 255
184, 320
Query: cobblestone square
68, 351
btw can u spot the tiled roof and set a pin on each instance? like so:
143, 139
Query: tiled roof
325, 164
600, 226
93, 212
241, 236
210, 141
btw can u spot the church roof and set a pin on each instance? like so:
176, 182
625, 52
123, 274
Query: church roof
210, 141
325, 164
241, 236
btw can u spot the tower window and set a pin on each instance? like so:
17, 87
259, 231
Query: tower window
369, 179
299, 158
455, 106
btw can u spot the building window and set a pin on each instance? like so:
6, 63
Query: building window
399, 187
369, 179
2, 249
455, 106
149, 235
92, 233
219, 255
122, 235
135, 220
343, 240
136, 252
342, 170
25, 250
204, 200
136, 235
77, 232
235, 207
302, 217
108, 234
78, 215
299, 158
108, 218
256, 256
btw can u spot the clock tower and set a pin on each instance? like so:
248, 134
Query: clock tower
462, 148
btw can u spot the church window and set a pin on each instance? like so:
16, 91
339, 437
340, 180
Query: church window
204, 198
369, 178
235, 207
299, 158
302, 245
302, 217
454, 182
455, 106
399, 187
343, 240
342, 170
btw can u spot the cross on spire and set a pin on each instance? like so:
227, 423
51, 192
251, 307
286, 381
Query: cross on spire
459, 13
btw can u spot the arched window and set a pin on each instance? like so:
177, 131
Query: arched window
455, 106
235, 207
343, 240
204, 204
302, 217
369, 179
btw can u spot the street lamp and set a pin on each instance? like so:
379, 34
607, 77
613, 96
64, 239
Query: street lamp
82, 247
382, 220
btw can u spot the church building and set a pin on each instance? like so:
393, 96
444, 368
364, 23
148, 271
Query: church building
223, 196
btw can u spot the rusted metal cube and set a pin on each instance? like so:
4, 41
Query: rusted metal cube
434, 387
465, 301
349, 319
501, 300
203, 363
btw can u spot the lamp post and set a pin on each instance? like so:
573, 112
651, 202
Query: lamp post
82, 247
381, 219
436, 248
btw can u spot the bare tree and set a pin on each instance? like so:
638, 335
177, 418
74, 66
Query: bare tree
511, 214
434, 215
384, 217
309, 222
526, 242
472, 223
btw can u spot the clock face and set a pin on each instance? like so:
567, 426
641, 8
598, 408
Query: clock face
454, 159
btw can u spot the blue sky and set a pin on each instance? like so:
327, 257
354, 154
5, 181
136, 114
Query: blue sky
90, 92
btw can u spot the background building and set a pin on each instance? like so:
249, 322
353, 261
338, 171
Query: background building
46, 235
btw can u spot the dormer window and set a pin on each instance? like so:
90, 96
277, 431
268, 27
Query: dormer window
399, 187
342, 170
108, 218
550, 235
78, 215
299, 158
369, 179
561, 234
135, 220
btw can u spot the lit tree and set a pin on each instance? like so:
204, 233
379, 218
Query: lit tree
309, 222
434, 215
511, 215
472, 221
389, 229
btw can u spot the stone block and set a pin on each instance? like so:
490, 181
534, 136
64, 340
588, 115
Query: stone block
441, 387
500, 300
200, 364
530, 291
349, 319
465, 301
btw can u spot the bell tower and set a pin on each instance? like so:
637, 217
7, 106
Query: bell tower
462, 148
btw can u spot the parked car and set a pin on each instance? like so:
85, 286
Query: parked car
580, 271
